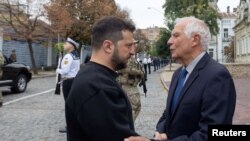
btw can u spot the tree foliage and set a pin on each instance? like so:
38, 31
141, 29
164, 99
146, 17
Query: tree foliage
162, 48
229, 52
83, 14
173, 9
24, 20
59, 47
143, 41
199, 8
60, 19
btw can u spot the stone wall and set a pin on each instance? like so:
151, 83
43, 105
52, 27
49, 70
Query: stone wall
238, 70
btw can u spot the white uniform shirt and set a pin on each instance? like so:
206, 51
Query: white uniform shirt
149, 60
145, 61
69, 66
138, 60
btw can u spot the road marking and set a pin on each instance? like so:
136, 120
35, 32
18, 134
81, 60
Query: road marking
26, 97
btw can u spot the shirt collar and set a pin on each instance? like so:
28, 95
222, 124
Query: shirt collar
192, 65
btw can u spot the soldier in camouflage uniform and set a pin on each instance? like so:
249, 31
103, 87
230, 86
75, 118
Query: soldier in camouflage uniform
1, 73
129, 78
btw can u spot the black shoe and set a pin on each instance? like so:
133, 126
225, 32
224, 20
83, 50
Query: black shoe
63, 130
1, 104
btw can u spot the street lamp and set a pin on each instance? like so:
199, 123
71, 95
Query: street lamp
156, 10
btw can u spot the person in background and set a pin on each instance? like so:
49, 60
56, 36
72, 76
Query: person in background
201, 92
145, 64
154, 63
138, 59
97, 108
70, 65
149, 61
12, 57
129, 78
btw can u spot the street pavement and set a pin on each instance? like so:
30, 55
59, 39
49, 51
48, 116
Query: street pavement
38, 118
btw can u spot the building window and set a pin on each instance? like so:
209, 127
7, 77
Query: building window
225, 32
243, 46
237, 47
240, 47
226, 22
211, 52
248, 45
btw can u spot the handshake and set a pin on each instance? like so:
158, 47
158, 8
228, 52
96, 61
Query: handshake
157, 137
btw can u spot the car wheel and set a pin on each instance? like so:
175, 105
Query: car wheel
20, 84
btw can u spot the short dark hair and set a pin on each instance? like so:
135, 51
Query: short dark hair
109, 28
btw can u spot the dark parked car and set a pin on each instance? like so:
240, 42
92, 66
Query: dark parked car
15, 75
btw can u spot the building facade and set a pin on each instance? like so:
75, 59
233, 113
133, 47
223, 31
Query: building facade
226, 33
1, 39
152, 33
225, 36
242, 32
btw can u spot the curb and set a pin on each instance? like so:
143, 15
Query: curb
163, 82
42, 76
164, 75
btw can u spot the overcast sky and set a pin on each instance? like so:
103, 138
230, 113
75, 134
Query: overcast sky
148, 13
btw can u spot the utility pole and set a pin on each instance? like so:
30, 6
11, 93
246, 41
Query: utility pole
217, 48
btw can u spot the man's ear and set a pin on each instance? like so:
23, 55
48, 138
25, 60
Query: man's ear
108, 46
196, 40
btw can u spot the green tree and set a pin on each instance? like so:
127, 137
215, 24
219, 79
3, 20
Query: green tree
59, 47
173, 9
201, 9
162, 48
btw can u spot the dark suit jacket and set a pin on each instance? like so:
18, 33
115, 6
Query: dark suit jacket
208, 97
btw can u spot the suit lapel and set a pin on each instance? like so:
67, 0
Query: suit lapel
173, 85
192, 77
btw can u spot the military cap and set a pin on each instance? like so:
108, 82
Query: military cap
72, 42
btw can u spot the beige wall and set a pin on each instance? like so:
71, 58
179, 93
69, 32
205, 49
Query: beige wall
238, 70
242, 34
1, 39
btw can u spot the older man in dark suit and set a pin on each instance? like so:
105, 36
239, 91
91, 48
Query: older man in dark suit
202, 91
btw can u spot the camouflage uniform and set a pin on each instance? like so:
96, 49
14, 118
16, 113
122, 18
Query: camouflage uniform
129, 79
1, 73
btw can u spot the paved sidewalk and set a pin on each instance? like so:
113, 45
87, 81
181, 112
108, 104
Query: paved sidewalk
167, 73
38, 118
242, 113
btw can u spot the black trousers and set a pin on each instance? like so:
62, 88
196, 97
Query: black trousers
149, 68
66, 86
145, 69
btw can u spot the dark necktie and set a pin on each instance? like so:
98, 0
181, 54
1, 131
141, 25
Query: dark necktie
181, 79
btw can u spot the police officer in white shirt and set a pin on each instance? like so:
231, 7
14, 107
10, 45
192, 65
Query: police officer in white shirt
149, 61
145, 64
70, 65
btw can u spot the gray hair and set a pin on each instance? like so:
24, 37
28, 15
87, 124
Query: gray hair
196, 26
